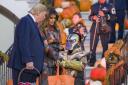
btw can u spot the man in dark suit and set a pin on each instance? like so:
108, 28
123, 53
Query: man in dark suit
28, 48
120, 6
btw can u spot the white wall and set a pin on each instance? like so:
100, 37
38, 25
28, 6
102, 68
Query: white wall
17, 7
94, 1
6, 33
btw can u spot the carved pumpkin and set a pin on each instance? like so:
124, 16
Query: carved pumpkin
57, 3
85, 5
98, 73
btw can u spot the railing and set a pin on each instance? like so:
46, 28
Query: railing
5, 72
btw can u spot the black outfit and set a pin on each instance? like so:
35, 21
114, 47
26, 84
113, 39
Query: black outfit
94, 35
52, 54
120, 6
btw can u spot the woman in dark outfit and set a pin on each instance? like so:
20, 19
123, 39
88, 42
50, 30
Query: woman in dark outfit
52, 35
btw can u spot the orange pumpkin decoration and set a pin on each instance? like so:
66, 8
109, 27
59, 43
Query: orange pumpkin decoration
9, 82
98, 73
116, 26
69, 12
126, 23
57, 3
85, 5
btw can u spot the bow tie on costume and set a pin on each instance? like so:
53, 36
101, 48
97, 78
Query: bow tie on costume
21, 83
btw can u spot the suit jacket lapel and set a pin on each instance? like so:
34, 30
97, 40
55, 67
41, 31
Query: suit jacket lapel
36, 27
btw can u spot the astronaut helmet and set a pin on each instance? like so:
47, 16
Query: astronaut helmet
72, 42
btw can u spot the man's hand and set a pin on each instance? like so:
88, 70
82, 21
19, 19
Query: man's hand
29, 65
101, 13
96, 18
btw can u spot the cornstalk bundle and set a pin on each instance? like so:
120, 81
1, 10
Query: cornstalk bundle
113, 55
116, 59
3, 58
